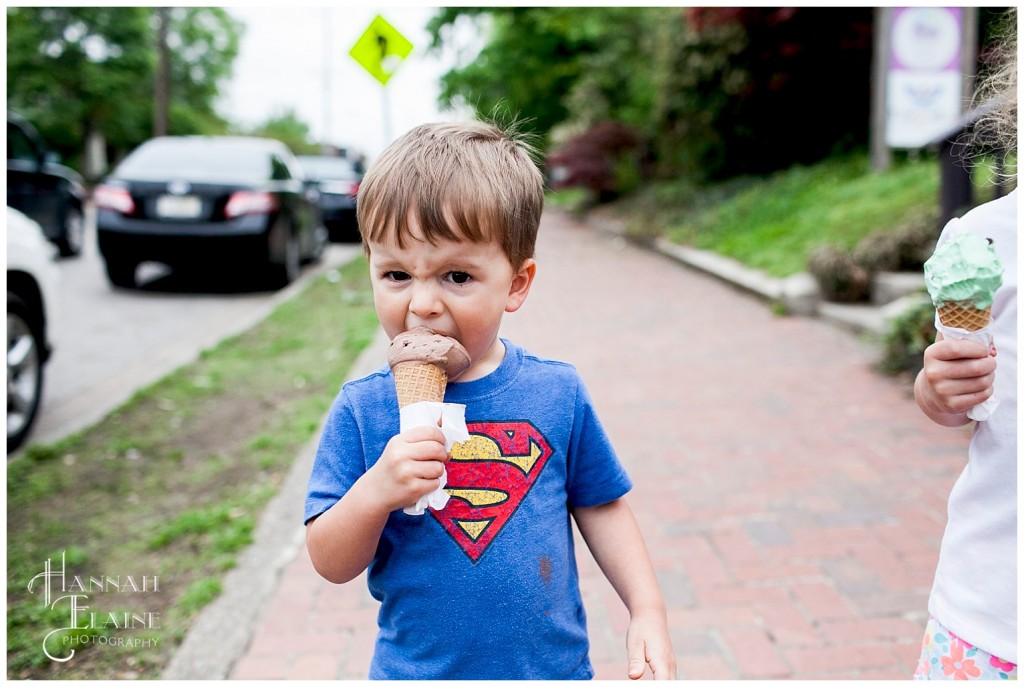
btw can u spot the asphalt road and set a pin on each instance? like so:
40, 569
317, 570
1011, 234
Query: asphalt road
112, 342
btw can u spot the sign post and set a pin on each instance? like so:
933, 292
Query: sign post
380, 51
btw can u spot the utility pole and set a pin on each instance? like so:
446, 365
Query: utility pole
327, 139
969, 53
385, 103
162, 94
881, 156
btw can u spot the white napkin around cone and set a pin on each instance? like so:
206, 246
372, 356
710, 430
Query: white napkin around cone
983, 410
453, 426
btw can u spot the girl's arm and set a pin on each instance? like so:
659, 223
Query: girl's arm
614, 538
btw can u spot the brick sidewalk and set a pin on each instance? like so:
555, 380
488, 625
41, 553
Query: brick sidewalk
793, 499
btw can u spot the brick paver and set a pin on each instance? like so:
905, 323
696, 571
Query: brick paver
793, 499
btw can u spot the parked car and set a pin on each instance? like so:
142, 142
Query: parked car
337, 180
48, 192
208, 202
32, 283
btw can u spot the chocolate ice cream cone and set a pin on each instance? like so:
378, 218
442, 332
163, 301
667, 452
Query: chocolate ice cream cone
422, 361
416, 382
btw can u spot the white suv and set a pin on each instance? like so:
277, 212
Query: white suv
32, 282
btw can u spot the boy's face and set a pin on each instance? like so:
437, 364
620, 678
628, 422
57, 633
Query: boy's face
457, 288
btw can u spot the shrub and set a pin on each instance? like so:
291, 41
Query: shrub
603, 159
908, 335
841, 279
904, 248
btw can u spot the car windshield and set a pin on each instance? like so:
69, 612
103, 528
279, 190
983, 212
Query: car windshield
197, 160
321, 168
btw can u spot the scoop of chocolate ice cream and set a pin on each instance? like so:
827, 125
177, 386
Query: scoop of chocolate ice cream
423, 345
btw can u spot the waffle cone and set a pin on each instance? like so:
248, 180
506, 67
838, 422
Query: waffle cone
963, 315
416, 382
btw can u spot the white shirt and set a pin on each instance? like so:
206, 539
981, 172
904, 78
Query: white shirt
975, 590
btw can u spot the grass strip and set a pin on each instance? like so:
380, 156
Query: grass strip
149, 508
773, 223
774, 226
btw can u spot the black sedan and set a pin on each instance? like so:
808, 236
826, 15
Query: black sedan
48, 192
336, 179
208, 202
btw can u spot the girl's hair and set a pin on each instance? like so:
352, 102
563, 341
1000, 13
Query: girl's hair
460, 182
997, 129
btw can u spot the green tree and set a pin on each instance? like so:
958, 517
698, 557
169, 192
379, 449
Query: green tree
587, 81
204, 44
557, 65
620, 81
78, 72
748, 85
286, 126
713, 91
73, 71
529, 63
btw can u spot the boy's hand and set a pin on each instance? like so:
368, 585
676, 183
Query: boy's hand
647, 643
410, 467
957, 375
343, 540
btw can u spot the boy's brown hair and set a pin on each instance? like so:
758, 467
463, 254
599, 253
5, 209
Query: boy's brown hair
466, 181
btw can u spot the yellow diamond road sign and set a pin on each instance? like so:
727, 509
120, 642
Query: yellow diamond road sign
381, 49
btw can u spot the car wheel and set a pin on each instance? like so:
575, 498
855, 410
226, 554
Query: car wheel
70, 244
121, 273
24, 371
320, 241
281, 274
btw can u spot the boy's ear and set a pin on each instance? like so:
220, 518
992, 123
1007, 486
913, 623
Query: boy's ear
521, 283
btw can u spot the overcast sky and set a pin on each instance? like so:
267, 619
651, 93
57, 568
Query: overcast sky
298, 58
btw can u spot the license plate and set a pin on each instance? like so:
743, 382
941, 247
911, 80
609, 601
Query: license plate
179, 207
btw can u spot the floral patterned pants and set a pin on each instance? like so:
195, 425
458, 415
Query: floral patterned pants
944, 656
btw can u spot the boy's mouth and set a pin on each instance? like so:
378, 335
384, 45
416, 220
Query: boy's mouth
439, 332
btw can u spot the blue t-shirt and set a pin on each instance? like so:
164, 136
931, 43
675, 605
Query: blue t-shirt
487, 587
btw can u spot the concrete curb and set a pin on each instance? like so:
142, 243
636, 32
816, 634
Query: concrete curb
221, 633
799, 293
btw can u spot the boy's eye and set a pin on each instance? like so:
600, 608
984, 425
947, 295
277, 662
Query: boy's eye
458, 277
396, 275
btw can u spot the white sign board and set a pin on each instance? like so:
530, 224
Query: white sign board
924, 85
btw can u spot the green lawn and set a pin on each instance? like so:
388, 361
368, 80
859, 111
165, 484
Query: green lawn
170, 486
773, 225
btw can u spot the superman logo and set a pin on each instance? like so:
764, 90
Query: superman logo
489, 475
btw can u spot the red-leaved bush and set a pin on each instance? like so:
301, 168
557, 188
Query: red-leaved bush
590, 160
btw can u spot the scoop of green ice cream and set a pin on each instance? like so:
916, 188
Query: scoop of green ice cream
964, 268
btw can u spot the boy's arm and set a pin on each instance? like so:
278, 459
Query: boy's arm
614, 538
956, 376
343, 539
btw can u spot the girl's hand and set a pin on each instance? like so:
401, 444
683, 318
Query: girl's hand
648, 644
410, 467
957, 375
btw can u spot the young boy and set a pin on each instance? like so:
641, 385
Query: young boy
486, 587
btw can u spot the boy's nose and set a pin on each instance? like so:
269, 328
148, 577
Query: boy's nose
424, 302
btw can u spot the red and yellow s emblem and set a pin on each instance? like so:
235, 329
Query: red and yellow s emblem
489, 475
